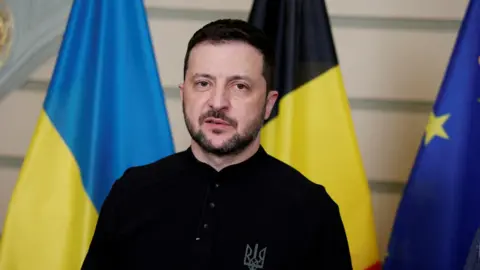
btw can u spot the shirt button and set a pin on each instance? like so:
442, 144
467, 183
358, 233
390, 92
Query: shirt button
217, 185
205, 226
212, 205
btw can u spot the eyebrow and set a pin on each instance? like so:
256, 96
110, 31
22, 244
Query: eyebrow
230, 78
205, 75
239, 77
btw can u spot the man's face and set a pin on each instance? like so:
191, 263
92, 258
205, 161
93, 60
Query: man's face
224, 96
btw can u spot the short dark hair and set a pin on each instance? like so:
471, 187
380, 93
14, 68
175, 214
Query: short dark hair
224, 30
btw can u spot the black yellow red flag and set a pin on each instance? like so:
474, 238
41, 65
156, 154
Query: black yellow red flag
311, 126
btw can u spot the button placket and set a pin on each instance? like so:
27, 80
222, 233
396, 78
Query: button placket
204, 234
204, 238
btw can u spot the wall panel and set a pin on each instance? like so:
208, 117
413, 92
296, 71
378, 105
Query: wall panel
398, 64
8, 178
388, 142
19, 113
44, 72
384, 210
177, 123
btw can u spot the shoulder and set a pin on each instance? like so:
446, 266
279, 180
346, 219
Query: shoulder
145, 181
310, 200
296, 186
152, 173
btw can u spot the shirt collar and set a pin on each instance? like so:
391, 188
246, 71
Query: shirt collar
252, 163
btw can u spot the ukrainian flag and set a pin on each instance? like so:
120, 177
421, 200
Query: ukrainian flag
311, 127
104, 112
440, 210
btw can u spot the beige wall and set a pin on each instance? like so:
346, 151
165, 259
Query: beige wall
392, 53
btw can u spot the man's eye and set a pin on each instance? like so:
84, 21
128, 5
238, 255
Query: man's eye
202, 83
241, 86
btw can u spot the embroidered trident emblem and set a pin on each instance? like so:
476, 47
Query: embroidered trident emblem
254, 259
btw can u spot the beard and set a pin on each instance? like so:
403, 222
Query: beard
236, 144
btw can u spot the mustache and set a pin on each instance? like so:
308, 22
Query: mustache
219, 115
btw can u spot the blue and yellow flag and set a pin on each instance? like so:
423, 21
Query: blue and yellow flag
104, 112
440, 210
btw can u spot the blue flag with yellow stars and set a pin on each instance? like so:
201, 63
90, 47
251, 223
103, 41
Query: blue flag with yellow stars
440, 210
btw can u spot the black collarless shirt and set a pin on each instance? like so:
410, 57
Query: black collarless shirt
179, 213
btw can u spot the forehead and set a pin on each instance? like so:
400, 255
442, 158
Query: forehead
225, 59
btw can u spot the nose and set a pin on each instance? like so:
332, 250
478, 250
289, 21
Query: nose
219, 99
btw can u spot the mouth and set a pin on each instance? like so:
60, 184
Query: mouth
216, 121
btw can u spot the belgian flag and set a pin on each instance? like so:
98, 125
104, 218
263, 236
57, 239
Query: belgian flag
311, 127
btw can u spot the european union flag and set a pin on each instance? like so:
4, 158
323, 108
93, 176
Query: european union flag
440, 209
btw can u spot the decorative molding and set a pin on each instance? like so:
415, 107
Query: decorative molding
11, 161
386, 186
391, 105
411, 24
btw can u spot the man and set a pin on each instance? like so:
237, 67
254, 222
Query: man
223, 203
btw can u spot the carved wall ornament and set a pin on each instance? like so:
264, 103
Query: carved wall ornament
6, 32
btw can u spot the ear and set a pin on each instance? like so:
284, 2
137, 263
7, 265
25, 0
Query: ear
180, 86
272, 97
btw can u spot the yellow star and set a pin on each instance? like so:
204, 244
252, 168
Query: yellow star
435, 127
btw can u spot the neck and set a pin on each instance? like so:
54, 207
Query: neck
221, 162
